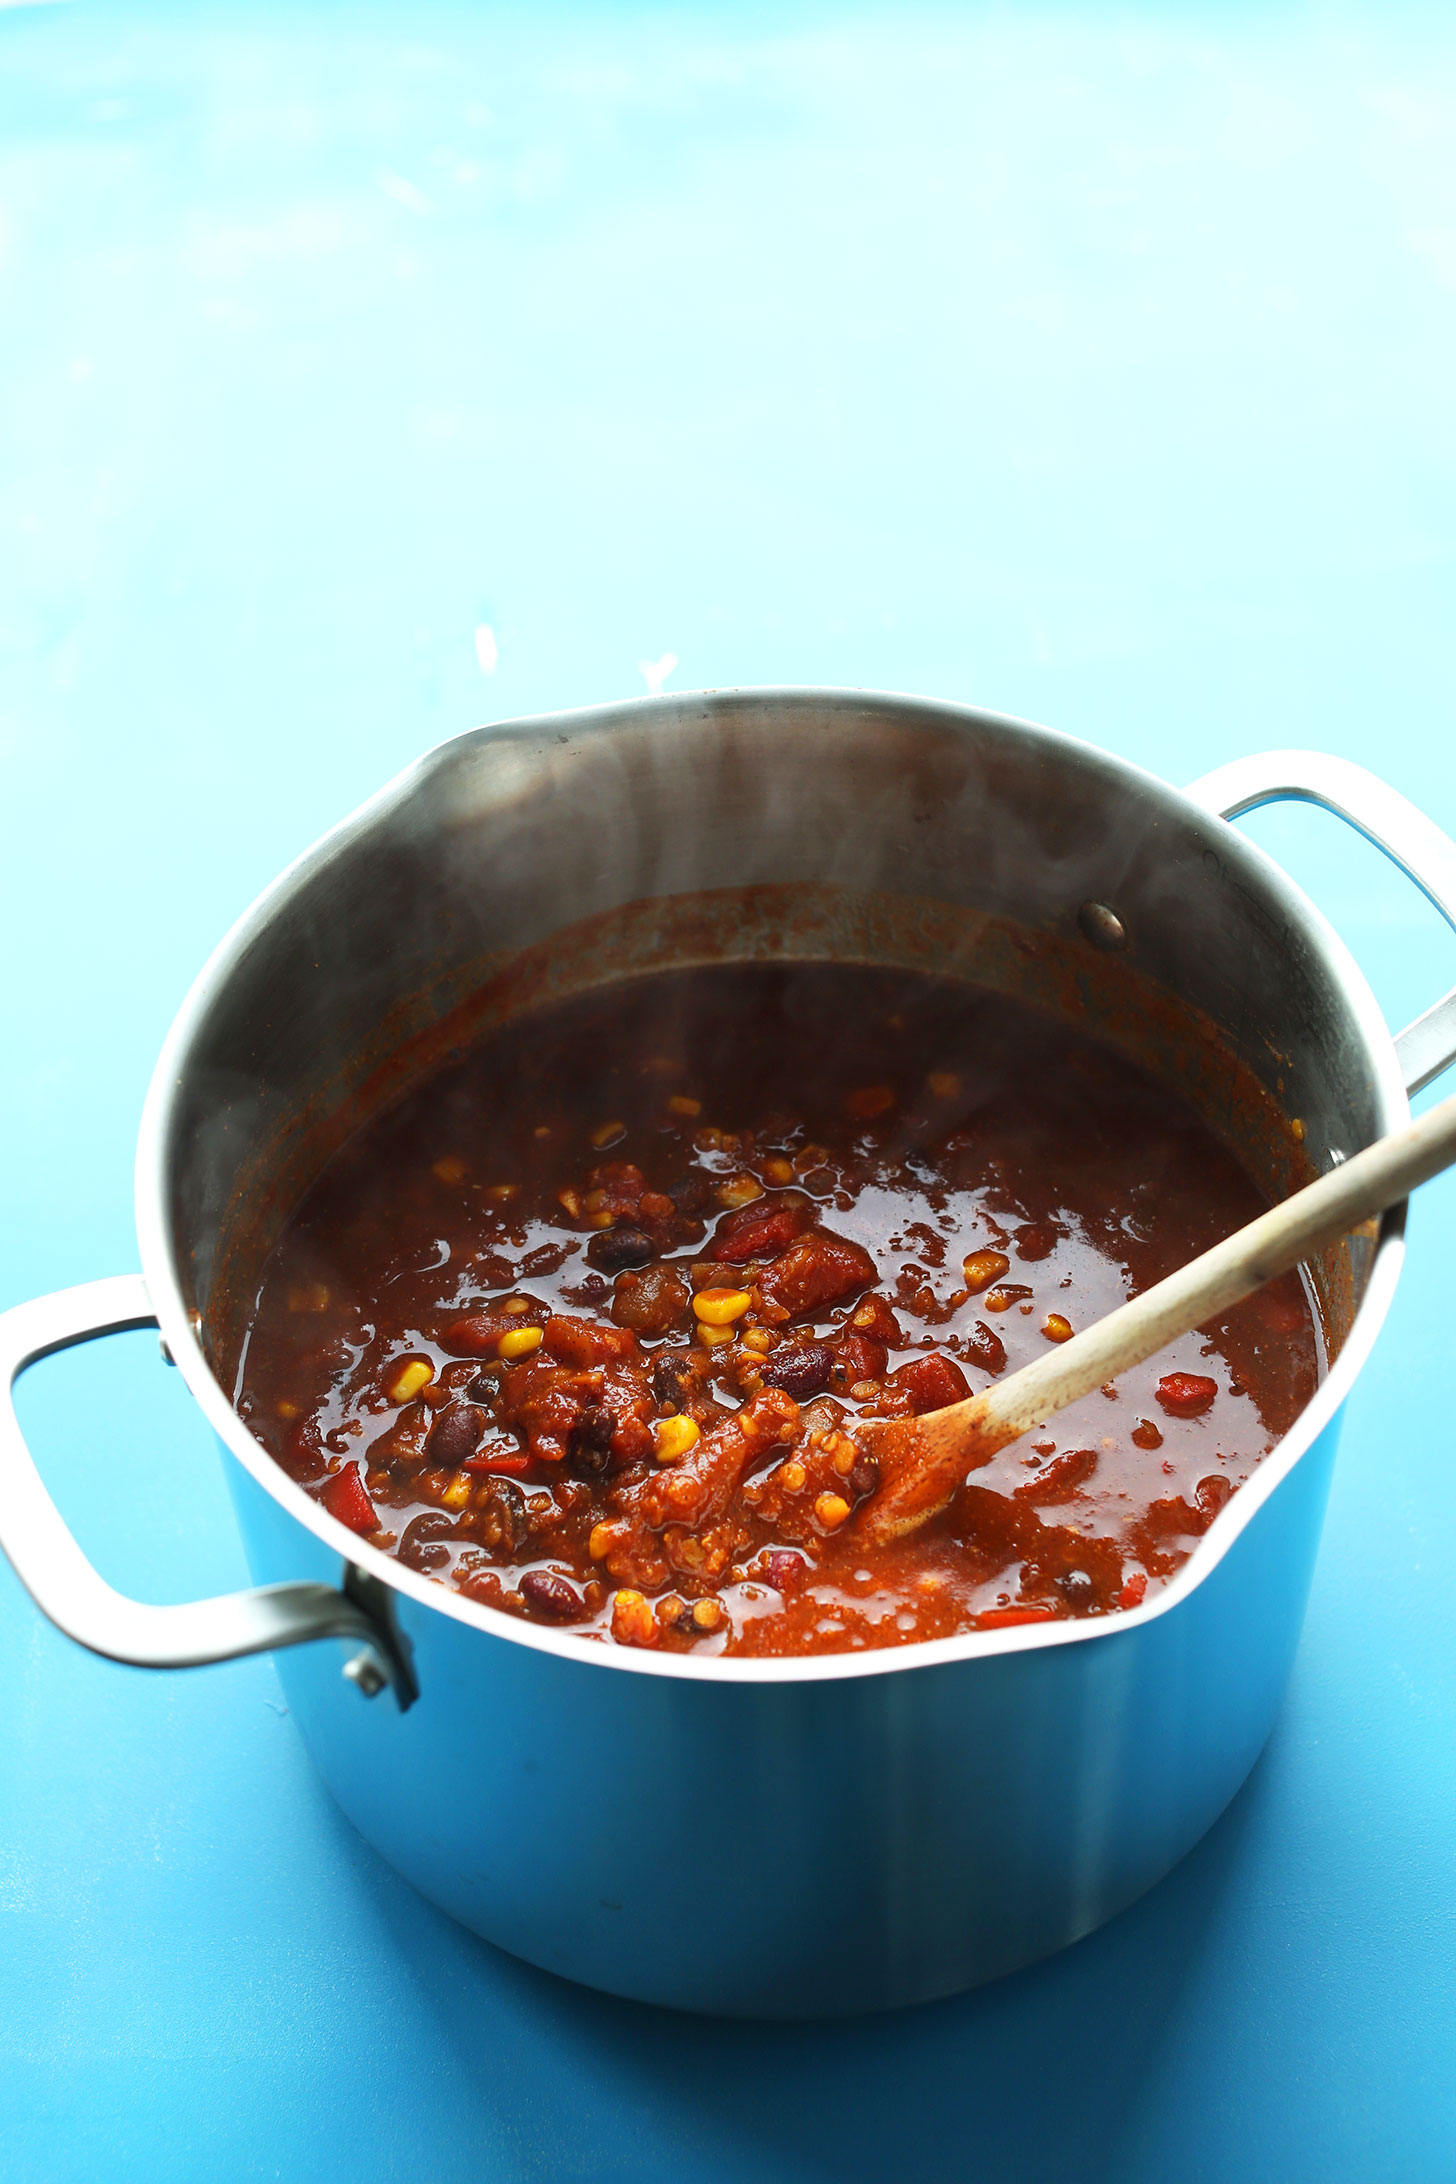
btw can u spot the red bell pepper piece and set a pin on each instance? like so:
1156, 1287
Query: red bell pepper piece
345, 1498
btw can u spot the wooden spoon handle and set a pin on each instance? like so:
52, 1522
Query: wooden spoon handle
923, 1460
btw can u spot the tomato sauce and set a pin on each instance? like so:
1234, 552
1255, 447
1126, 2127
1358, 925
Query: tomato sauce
581, 1326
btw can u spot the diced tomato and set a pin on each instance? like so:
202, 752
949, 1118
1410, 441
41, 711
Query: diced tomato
477, 1334
1007, 1618
345, 1498
583, 1342
1186, 1395
1134, 1592
816, 1270
761, 1230
501, 1466
860, 1357
930, 1382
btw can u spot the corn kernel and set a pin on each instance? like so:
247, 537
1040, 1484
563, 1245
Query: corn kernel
607, 1133
312, 1297
449, 1170
572, 1203
600, 1543
674, 1437
792, 1476
680, 1104
413, 1375
981, 1268
516, 1304
944, 1083
721, 1307
738, 1190
500, 1192
542, 1129
831, 1511
759, 1339
844, 1460
633, 1623
1056, 1328
778, 1170
520, 1342
1296, 1131
708, 1614
712, 1336
457, 1493
287, 1410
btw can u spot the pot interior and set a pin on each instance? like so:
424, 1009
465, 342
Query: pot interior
515, 867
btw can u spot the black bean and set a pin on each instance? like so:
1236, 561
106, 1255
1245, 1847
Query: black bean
800, 1372
482, 1389
1078, 1588
503, 1521
691, 1192
589, 1443
614, 1249
673, 1376
546, 1594
421, 1546
455, 1434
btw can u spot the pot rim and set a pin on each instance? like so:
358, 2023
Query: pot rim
182, 1338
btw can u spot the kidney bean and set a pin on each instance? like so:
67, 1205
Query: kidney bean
784, 1570
801, 1371
548, 1595
614, 1249
653, 1302
1146, 1435
1186, 1395
420, 1546
454, 1435
985, 1348
345, 1498
589, 1441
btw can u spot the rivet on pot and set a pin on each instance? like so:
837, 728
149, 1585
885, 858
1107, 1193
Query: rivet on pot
365, 1673
1101, 926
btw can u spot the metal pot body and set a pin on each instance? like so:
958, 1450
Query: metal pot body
816, 1847
772, 1838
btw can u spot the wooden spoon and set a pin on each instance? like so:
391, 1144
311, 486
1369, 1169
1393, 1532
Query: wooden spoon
923, 1460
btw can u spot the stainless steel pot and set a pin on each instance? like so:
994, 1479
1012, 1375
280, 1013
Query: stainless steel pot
764, 1838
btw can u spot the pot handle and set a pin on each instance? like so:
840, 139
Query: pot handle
78, 1601
1384, 817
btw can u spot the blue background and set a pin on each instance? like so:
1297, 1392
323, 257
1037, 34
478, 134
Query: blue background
1093, 364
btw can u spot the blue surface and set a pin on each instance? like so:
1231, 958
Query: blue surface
1091, 364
